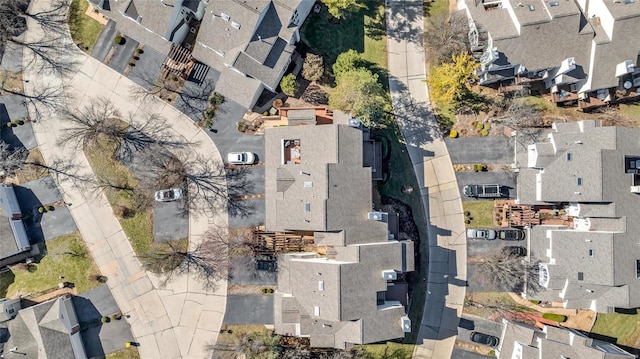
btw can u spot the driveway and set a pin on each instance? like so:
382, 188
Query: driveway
507, 179
123, 54
242, 272
463, 354
249, 309
169, 222
470, 323
42, 227
148, 67
100, 338
490, 150
12, 108
105, 41
12, 56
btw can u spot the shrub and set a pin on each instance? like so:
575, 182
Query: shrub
116, 316
453, 134
216, 99
119, 40
209, 113
484, 133
263, 290
479, 126
140, 51
289, 85
266, 113
230, 331
41, 210
474, 123
51, 208
104, 320
270, 290
467, 221
132, 64
277, 103
476, 168
8, 124
487, 126
535, 301
20, 122
13, 124
555, 317
136, 57
467, 213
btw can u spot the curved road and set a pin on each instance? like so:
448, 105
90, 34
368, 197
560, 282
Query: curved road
446, 282
175, 321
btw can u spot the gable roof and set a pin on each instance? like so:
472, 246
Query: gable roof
48, 330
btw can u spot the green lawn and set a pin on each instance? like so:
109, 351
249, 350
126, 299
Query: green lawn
481, 212
389, 350
129, 353
624, 327
84, 30
435, 8
363, 31
631, 109
66, 255
138, 225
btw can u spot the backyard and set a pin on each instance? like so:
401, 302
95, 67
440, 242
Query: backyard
66, 256
623, 326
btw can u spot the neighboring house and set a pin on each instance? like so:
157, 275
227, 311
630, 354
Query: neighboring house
10, 308
250, 42
49, 330
522, 341
592, 173
316, 182
14, 242
579, 51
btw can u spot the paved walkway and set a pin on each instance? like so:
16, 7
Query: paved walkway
175, 321
446, 285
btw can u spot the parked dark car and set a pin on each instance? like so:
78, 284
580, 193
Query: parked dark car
511, 234
515, 251
485, 339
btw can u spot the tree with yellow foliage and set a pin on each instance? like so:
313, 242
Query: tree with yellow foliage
449, 82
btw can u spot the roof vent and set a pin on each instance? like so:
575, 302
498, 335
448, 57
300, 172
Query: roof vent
235, 25
531, 7
554, 3
378, 216
224, 16
389, 274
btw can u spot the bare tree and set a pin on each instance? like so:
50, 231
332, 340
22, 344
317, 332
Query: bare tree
47, 96
522, 116
512, 272
207, 184
445, 36
100, 118
193, 97
208, 261
254, 345
51, 50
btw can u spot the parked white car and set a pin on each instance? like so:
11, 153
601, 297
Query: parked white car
168, 195
481, 234
241, 158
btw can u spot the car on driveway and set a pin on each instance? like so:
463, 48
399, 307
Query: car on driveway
487, 234
511, 234
514, 251
241, 158
168, 195
485, 339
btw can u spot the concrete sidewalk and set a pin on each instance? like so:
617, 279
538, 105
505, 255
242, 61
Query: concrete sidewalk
446, 282
176, 321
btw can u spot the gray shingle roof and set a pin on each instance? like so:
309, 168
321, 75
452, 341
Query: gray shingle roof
13, 235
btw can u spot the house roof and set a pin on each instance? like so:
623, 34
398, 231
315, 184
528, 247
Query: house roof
47, 330
554, 342
608, 223
340, 291
13, 235
154, 15
330, 178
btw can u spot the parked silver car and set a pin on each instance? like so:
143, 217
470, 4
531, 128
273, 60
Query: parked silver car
168, 195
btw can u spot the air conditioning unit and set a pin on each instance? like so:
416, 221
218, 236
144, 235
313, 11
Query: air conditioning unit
389, 274
378, 216
354, 122
405, 322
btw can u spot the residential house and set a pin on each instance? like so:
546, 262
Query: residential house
14, 242
591, 173
583, 52
250, 42
49, 330
523, 341
316, 182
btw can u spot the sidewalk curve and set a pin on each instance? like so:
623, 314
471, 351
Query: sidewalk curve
446, 281
175, 321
